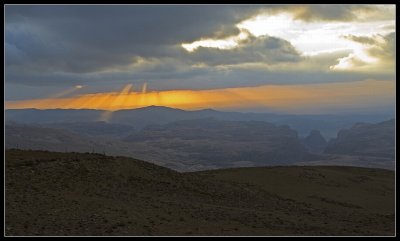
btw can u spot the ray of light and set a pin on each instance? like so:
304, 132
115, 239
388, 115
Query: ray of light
66, 92
119, 99
144, 88
116, 101
274, 97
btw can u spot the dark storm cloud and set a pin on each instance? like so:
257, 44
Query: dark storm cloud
64, 45
88, 38
51, 48
159, 78
153, 69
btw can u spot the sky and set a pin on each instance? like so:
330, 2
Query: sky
280, 58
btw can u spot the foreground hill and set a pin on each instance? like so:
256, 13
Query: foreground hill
49, 193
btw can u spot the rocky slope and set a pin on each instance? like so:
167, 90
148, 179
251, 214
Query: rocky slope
328, 125
364, 139
48, 193
315, 142
224, 143
184, 145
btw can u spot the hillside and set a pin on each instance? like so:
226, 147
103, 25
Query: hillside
315, 142
224, 143
94, 129
50, 193
37, 137
364, 139
184, 146
191, 145
139, 118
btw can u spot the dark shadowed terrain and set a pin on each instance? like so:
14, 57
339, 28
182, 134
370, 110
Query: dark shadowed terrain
49, 193
210, 143
365, 139
315, 142
139, 118
219, 144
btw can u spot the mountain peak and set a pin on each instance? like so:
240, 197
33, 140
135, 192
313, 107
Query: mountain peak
154, 107
315, 142
208, 110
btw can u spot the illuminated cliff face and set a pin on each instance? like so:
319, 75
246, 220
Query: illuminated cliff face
311, 98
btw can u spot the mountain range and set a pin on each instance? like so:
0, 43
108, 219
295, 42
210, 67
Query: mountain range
139, 118
203, 143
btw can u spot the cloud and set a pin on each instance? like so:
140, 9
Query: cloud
380, 46
50, 48
82, 39
361, 39
263, 49
85, 38
378, 51
334, 12
385, 50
